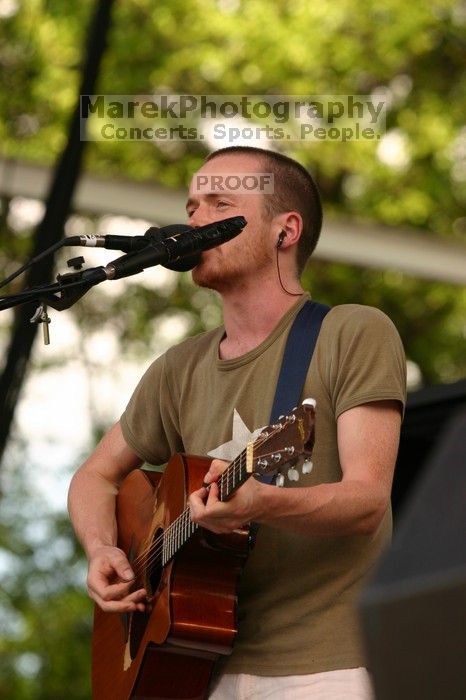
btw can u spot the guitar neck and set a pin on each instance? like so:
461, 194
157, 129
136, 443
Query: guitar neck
277, 445
182, 528
233, 477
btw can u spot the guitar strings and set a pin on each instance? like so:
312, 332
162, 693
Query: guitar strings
176, 534
171, 538
154, 551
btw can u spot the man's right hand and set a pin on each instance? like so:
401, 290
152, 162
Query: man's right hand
110, 581
91, 502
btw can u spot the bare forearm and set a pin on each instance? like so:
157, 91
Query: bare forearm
93, 491
91, 505
342, 508
347, 507
368, 438
110, 579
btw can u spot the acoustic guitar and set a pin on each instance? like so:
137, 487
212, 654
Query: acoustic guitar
190, 574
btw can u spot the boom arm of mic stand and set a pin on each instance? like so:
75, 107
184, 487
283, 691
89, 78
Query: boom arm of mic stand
71, 287
67, 299
74, 289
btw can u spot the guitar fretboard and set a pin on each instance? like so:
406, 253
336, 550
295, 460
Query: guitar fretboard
182, 528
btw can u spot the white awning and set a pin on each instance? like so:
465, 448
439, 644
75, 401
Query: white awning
408, 251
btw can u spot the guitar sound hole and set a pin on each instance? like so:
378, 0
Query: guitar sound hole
151, 578
154, 564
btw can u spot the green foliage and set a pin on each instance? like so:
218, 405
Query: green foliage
40, 56
429, 317
45, 616
413, 53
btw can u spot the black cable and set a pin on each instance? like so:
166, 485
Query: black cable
292, 294
31, 262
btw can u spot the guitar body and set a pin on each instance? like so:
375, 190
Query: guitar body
169, 651
190, 575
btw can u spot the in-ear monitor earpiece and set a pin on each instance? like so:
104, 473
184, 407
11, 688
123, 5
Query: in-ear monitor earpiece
281, 237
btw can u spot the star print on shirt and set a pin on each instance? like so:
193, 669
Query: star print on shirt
241, 435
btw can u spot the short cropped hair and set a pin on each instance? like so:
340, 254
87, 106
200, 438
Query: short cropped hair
295, 190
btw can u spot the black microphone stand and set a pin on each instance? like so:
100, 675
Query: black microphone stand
69, 288
171, 247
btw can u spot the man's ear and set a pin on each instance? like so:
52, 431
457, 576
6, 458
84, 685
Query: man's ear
291, 226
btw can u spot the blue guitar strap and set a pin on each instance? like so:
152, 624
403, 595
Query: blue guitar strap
299, 349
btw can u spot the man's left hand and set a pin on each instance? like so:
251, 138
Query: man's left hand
223, 517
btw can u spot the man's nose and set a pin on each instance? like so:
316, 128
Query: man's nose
200, 217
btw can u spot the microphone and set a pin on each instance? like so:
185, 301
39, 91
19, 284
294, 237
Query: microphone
159, 234
128, 244
185, 243
124, 243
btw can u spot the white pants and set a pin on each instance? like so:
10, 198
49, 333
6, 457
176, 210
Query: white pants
347, 684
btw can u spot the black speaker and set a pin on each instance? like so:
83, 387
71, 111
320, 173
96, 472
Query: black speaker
413, 612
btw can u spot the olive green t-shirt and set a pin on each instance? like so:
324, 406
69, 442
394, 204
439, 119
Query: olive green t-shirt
296, 611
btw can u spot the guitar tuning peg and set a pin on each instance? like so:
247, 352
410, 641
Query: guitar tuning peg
307, 466
293, 474
309, 402
280, 480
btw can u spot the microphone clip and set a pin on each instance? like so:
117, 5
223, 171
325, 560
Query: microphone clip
41, 316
